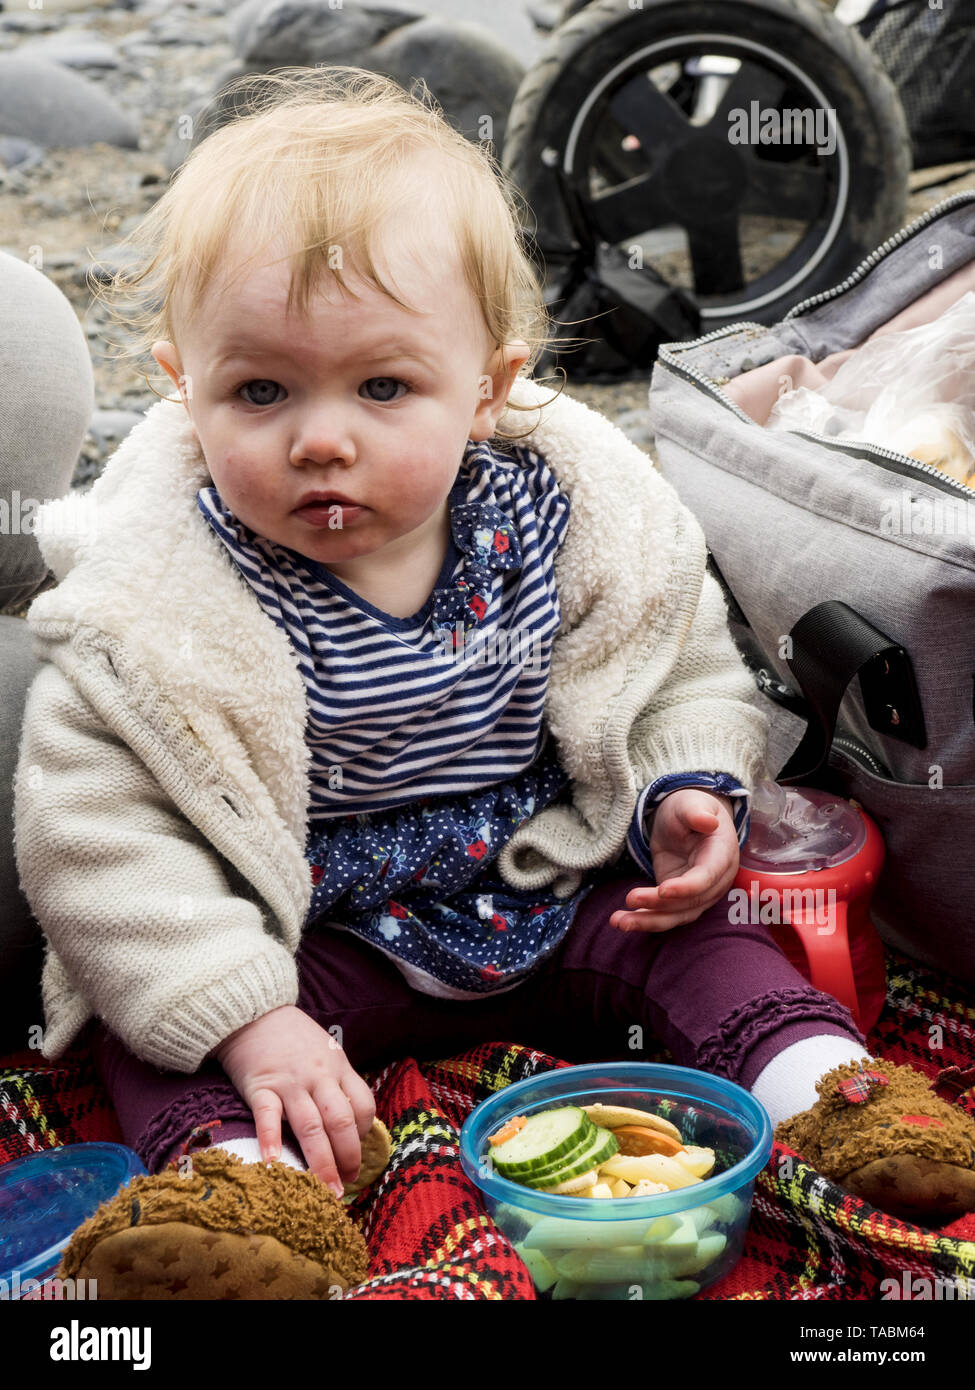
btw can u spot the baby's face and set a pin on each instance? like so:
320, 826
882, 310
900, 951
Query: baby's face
361, 398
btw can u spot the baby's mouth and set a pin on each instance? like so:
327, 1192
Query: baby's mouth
321, 513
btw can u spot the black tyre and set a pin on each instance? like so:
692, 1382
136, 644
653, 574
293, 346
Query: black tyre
628, 130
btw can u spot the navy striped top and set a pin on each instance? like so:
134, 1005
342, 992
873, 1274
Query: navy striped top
450, 699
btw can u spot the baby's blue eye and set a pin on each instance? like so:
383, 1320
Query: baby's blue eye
261, 383
387, 384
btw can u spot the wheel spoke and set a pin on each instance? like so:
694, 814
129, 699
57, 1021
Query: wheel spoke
634, 207
782, 190
640, 108
750, 83
716, 255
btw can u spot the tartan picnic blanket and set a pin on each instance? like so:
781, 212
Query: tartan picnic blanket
430, 1237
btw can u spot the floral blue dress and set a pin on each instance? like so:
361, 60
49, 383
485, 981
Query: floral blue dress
418, 882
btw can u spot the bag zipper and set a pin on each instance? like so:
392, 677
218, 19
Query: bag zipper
882, 251
903, 464
857, 753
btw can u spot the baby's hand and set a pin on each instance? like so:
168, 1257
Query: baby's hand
694, 848
285, 1061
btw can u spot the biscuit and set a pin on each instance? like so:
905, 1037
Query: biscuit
376, 1150
612, 1116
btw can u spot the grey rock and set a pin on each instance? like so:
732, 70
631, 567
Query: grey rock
133, 39
61, 260
140, 48
51, 203
181, 38
206, 114
110, 261
272, 33
109, 427
180, 25
635, 424
507, 20
544, 14
470, 72
73, 48
29, 22
19, 154
52, 105
13, 181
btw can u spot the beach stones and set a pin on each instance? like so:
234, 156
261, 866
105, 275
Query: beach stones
51, 105
72, 48
472, 74
272, 33
471, 70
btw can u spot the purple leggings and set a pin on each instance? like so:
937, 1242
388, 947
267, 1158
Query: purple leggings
722, 997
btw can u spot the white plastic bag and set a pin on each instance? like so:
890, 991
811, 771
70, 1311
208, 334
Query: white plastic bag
912, 392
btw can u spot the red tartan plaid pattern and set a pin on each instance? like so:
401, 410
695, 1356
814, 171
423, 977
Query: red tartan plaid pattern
856, 1089
427, 1231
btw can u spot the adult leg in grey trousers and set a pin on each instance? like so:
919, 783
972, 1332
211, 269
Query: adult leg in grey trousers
46, 403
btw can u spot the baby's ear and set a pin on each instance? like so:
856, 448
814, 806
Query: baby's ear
495, 386
167, 356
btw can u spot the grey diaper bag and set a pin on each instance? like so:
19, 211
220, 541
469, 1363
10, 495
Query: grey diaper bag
849, 571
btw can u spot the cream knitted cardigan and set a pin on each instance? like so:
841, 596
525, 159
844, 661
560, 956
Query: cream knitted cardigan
161, 790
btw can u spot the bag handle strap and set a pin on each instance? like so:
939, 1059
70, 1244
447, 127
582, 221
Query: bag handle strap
830, 644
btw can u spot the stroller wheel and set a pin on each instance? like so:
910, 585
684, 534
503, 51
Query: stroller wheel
751, 152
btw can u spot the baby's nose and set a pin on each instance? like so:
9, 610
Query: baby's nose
325, 436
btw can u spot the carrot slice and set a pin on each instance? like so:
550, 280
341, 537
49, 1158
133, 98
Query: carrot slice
637, 1140
508, 1130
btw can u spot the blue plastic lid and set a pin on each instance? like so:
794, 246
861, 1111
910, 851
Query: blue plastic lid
45, 1197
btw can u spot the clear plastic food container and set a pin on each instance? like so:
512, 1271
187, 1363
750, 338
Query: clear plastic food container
44, 1198
665, 1246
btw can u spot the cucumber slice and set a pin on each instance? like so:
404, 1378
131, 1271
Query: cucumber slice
522, 1172
544, 1138
573, 1187
603, 1146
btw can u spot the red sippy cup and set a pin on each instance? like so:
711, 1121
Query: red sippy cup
808, 871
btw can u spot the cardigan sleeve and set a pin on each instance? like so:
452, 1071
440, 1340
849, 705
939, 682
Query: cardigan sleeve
704, 715
147, 921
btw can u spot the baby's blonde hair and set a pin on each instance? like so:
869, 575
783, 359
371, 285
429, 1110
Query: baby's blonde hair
327, 157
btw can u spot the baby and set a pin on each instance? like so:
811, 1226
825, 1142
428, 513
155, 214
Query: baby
279, 818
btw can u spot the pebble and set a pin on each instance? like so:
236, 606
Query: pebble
16, 153
73, 48
109, 427
471, 73
635, 424
113, 259
472, 69
51, 105
56, 7
266, 33
32, 22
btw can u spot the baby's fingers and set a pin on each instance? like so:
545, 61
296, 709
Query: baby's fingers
699, 880
267, 1109
305, 1120
362, 1100
340, 1125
